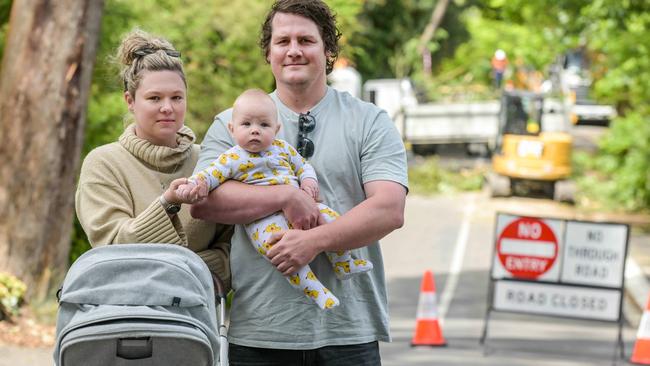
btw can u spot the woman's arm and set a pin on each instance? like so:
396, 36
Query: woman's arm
106, 208
106, 214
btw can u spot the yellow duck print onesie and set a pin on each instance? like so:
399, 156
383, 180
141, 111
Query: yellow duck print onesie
281, 163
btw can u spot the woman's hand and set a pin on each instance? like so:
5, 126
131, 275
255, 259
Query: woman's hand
182, 190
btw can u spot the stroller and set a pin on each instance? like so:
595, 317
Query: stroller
141, 304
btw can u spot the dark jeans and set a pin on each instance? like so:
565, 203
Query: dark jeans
366, 354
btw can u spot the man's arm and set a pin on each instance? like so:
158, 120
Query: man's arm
378, 215
240, 203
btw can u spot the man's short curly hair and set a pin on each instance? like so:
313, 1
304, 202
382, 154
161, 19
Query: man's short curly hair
315, 10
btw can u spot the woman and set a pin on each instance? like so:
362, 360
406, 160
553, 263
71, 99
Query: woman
126, 190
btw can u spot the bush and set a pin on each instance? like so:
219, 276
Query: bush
12, 291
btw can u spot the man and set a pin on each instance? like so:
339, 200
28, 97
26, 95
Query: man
361, 166
499, 63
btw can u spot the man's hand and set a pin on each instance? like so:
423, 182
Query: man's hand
310, 186
291, 250
301, 211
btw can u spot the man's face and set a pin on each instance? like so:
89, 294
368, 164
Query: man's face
296, 51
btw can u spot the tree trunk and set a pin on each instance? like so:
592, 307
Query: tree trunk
436, 17
44, 86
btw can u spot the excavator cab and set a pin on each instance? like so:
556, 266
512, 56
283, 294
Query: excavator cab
532, 156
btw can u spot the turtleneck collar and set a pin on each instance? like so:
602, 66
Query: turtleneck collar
163, 158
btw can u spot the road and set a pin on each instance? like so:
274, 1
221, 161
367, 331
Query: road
453, 236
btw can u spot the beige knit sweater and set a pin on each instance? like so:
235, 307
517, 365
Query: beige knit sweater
117, 199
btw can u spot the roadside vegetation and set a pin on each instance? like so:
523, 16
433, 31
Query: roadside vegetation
428, 177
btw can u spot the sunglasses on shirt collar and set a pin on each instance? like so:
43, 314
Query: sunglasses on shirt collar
306, 124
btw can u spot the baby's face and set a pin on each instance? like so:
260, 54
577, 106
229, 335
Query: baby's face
254, 126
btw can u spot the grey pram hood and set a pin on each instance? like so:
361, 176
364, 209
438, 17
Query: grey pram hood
123, 290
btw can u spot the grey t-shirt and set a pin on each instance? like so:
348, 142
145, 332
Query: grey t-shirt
356, 143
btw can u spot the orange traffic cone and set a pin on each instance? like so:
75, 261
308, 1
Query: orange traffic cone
427, 329
641, 352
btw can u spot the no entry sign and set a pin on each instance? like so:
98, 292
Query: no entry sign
527, 248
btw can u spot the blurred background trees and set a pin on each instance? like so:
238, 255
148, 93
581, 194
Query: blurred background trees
218, 42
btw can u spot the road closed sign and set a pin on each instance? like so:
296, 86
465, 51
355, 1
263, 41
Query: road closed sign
556, 267
527, 248
557, 300
559, 267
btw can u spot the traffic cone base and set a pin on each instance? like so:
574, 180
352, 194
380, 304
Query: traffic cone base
428, 333
641, 352
427, 329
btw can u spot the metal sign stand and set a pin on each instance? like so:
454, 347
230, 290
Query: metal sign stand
619, 351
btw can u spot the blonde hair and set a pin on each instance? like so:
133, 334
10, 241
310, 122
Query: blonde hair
141, 51
256, 96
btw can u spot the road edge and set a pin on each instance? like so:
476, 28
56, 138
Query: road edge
637, 286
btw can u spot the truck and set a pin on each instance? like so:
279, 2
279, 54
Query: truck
424, 126
570, 75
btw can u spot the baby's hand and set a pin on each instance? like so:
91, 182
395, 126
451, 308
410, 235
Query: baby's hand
189, 192
310, 186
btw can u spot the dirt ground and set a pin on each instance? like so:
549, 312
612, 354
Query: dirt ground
25, 331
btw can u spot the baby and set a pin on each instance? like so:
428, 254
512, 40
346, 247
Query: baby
261, 159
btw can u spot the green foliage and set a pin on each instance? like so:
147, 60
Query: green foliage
428, 178
5, 10
386, 42
346, 12
12, 291
614, 30
625, 159
79, 242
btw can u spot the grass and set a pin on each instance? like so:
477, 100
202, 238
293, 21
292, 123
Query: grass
429, 177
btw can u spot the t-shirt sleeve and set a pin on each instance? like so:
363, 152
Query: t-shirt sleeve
217, 140
383, 156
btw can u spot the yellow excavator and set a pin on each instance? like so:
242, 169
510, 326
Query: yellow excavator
532, 155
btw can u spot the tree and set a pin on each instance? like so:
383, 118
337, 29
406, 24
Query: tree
44, 86
429, 31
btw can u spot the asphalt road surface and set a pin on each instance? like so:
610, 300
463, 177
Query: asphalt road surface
454, 237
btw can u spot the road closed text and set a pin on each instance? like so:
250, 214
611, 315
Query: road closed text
557, 300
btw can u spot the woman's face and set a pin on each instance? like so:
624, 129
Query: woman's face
158, 107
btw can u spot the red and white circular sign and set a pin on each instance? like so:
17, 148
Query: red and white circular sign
527, 248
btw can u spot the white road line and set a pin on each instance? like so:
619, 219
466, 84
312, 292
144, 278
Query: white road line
457, 262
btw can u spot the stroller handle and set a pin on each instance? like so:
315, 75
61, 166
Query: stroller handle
219, 287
